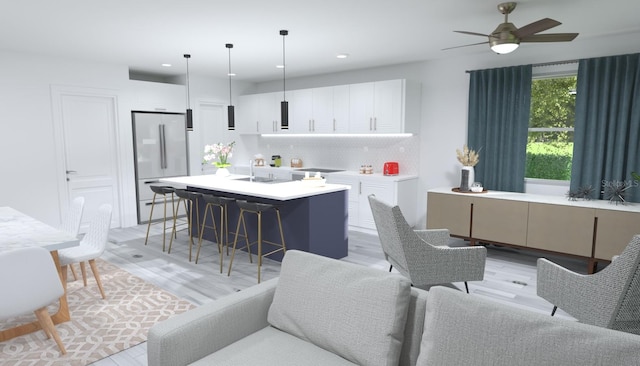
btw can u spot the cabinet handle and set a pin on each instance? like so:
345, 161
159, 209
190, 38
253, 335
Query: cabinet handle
375, 123
334, 125
310, 126
359, 187
313, 125
370, 123
257, 126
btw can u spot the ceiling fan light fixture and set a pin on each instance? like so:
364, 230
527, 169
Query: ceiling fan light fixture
503, 47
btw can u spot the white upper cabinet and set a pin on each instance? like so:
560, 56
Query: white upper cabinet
391, 106
158, 97
259, 113
319, 110
378, 107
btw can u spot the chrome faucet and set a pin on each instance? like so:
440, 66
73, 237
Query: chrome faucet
251, 170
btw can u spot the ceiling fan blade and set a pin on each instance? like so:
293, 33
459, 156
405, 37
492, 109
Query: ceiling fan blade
472, 33
466, 45
551, 37
535, 27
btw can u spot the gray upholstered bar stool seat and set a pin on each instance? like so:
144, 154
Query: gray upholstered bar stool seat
256, 208
189, 202
221, 233
163, 191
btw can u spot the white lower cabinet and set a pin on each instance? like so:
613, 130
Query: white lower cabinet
392, 190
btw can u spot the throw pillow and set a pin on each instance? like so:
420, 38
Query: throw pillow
356, 312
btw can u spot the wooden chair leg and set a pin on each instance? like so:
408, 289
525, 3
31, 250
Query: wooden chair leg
73, 272
83, 269
46, 323
466, 286
553, 312
96, 274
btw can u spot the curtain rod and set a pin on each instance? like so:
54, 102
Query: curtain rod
552, 63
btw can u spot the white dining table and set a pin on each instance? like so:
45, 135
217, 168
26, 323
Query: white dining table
18, 230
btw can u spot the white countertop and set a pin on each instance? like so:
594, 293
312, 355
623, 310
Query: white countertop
348, 173
552, 200
277, 191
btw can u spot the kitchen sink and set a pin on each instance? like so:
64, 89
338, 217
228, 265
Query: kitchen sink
263, 180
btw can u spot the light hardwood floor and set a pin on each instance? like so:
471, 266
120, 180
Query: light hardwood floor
510, 275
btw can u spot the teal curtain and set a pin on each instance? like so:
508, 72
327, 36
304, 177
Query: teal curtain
607, 126
499, 104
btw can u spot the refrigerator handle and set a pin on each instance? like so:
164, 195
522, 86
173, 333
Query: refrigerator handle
163, 149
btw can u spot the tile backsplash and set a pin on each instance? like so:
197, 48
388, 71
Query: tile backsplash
342, 152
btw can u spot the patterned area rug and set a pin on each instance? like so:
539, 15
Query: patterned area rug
98, 328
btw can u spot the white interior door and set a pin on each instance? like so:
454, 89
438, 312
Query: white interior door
213, 127
86, 137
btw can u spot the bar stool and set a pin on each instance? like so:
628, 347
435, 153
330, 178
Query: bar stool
222, 235
163, 191
257, 209
189, 201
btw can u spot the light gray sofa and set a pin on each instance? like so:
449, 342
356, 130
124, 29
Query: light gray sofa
328, 312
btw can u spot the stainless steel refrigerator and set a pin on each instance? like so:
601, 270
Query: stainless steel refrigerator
160, 150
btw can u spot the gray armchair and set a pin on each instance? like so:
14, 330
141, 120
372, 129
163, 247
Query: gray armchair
423, 255
609, 298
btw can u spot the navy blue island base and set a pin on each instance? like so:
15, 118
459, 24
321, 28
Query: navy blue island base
316, 224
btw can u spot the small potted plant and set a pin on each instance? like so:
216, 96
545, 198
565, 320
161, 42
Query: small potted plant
468, 158
219, 155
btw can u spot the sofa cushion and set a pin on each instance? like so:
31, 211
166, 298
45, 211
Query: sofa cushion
272, 347
353, 311
462, 329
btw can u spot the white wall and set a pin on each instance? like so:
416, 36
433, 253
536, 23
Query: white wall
27, 151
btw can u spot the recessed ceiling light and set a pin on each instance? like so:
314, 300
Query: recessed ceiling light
280, 66
166, 65
231, 74
342, 55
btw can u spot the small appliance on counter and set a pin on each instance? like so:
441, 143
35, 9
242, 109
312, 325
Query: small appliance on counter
276, 161
391, 168
296, 163
258, 160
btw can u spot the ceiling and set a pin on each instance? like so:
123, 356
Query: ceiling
143, 34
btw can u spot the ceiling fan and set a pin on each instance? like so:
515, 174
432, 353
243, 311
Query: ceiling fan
507, 37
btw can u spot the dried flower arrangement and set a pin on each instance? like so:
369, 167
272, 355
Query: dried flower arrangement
468, 157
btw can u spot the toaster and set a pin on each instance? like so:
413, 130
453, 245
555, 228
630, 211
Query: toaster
390, 168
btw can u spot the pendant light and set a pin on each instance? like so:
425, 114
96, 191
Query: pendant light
189, 111
284, 105
231, 123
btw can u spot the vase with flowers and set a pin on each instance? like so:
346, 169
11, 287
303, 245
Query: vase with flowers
468, 158
219, 155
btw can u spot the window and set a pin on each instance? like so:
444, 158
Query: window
551, 123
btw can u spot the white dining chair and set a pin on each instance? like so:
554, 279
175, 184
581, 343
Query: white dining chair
71, 222
29, 282
91, 247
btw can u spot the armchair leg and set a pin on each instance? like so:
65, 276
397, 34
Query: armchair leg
466, 286
553, 312
390, 267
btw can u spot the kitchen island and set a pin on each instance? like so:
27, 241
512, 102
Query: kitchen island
314, 219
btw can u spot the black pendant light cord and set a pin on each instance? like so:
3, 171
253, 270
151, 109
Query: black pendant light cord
284, 33
189, 118
231, 119
229, 47
187, 56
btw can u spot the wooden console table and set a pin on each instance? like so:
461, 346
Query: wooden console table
593, 230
